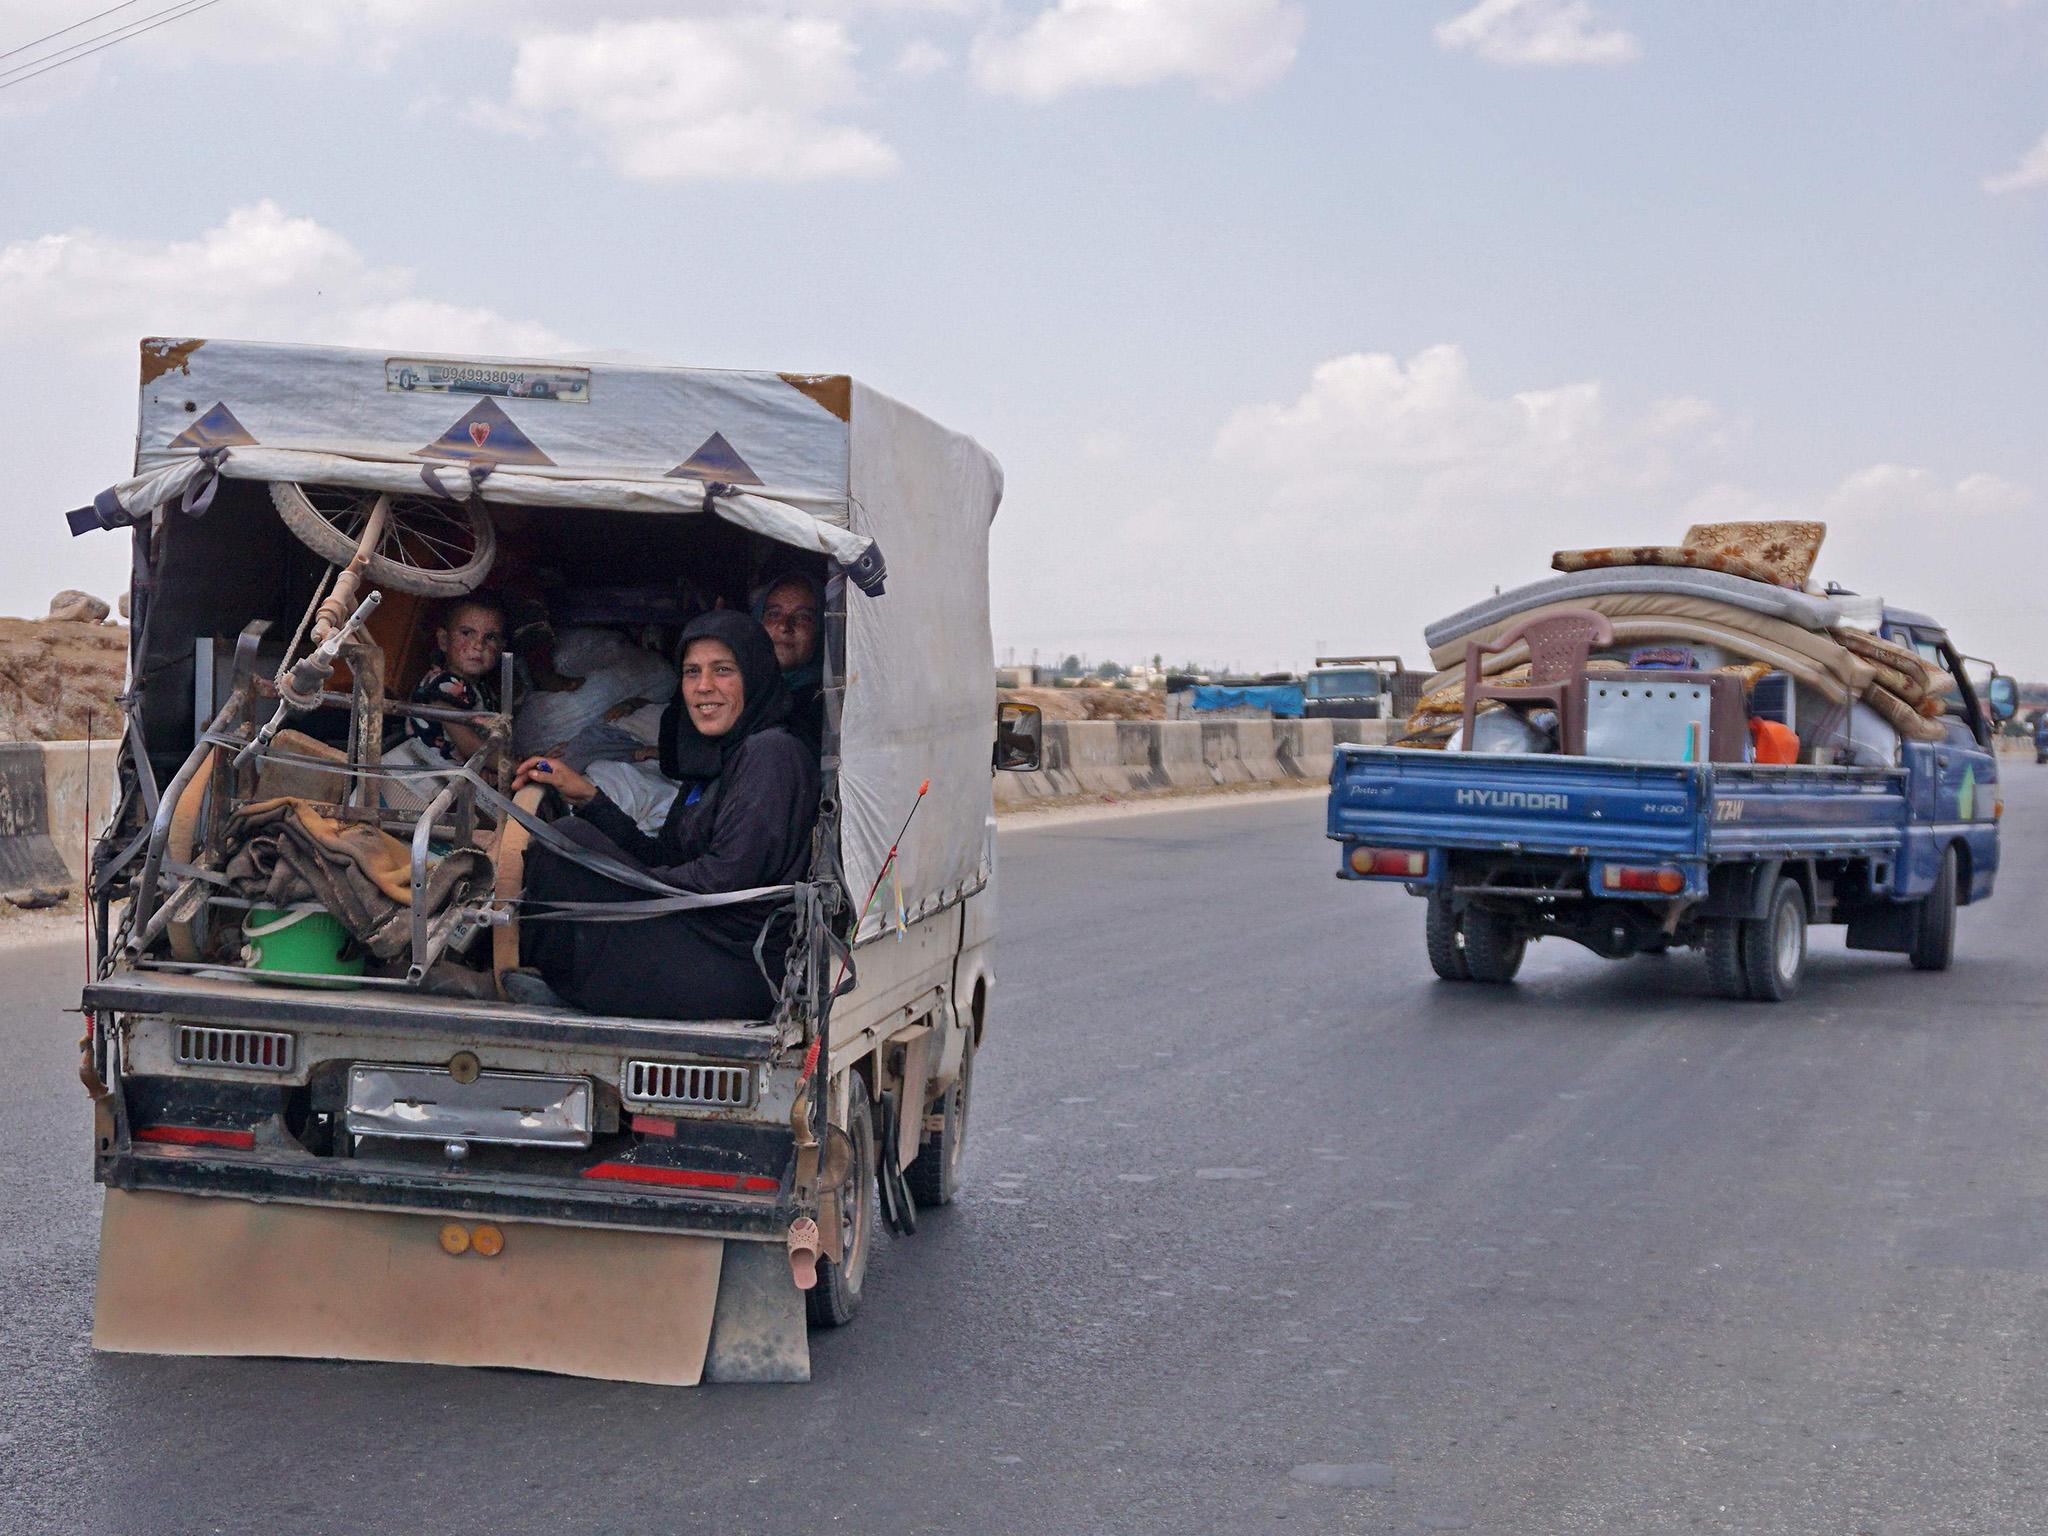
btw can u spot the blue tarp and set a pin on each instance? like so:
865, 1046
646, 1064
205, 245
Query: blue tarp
1281, 701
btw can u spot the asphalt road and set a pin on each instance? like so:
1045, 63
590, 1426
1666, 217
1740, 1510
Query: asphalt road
1264, 1230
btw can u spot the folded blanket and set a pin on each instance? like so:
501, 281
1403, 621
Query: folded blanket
283, 851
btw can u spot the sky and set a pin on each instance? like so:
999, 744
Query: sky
1295, 324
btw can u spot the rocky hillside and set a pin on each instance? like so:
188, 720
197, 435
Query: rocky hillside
59, 676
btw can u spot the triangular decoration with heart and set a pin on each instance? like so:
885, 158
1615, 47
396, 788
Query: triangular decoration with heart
485, 435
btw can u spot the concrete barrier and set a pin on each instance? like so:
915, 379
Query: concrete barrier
47, 790
68, 778
1119, 758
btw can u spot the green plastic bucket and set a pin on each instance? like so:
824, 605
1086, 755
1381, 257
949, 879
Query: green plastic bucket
306, 949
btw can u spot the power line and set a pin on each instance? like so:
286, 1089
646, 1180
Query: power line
38, 42
72, 52
77, 51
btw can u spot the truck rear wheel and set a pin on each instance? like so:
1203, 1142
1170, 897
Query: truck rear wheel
1446, 943
1723, 944
832, 1302
1493, 950
1934, 927
1774, 947
934, 1179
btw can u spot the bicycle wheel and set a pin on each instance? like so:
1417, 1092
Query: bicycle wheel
430, 548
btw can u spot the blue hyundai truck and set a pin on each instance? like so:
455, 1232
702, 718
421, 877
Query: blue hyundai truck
1735, 858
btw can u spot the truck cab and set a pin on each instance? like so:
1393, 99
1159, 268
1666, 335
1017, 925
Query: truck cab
1352, 688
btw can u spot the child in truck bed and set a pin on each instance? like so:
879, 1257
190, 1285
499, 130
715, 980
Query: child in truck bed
469, 645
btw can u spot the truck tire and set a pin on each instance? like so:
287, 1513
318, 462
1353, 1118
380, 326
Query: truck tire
1446, 944
934, 1179
1934, 931
1493, 950
832, 1302
1723, 944
1774, 947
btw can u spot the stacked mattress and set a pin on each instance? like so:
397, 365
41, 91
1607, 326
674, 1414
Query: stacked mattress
1820, 642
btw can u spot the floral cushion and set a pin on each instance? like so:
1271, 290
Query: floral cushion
1784, 548
1780, 553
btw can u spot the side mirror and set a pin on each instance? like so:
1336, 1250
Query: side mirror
2002, 698
1020, 738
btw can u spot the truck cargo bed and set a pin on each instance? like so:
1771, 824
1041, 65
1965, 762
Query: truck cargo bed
1582, 806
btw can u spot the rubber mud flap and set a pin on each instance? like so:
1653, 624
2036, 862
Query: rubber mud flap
760, 1332
189, 1275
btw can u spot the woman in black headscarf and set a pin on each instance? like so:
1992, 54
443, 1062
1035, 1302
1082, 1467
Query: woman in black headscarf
741, 820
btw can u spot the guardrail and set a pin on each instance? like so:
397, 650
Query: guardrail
1134, 757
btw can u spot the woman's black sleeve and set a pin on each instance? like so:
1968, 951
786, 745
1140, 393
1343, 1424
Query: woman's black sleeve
615, 824
761, 825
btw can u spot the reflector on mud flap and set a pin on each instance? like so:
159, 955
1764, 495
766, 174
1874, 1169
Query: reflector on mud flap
187, 1275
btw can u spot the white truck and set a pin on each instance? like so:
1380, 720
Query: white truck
1360, 688
364, 1163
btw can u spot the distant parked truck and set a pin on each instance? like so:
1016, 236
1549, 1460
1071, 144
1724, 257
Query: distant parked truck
1361, 688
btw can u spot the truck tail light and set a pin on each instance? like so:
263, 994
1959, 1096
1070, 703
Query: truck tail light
1652, 879
1409, 863
684, 1178
197, 1136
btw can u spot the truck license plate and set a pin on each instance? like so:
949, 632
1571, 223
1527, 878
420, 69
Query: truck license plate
516, 1109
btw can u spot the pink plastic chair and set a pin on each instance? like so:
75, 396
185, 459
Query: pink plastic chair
1559, 644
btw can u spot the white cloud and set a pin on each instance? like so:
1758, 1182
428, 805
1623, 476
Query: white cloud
1920, 539
1426, 425
921, 57
1729, 503
1389, 492
734, 98
1951, 548
259, 274
1537, 32
73, 306
1229, 47
1681, 415
1915, 497
2029, 172
1888, 515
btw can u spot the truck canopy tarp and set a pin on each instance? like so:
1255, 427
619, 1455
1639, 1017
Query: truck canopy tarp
816, 462
920, 673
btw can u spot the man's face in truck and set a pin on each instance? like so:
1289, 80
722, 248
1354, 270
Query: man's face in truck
790, 615
713, 692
